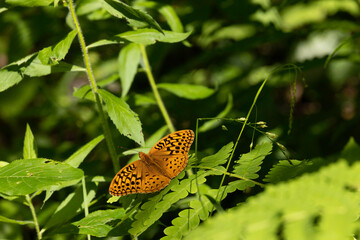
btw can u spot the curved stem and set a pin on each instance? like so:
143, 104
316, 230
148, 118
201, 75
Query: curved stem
33, 213
155, 90
92, 82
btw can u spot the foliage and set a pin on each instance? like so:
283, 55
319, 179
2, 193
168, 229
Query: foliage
269, 87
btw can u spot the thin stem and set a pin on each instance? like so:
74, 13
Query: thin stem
155, 90
86, 207
92, 82
33, 213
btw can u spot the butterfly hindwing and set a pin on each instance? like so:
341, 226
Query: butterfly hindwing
128, 180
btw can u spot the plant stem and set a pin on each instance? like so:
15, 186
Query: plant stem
86, 207
103, 118
33, 213
155, 90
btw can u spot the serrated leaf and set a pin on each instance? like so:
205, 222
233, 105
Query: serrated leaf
84, 92
129, 59
29, 3
26, 176
30, 148
120, 9
143, 36
216, 122
187, 91
52, 55
95, 223
125, 120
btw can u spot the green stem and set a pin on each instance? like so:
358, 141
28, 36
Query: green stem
155, 90
240, 134
86, 207
94, 88
33, 213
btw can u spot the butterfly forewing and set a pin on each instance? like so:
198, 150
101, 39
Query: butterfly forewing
171, 152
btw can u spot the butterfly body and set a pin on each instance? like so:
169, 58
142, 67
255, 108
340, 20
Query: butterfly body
154, 170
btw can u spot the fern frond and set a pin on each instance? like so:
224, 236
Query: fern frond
218, 158
295, 209
284, 171
153, 209
190, 218
248, 165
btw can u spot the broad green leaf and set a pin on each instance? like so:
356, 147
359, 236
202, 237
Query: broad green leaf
129, 59
51, 56
30, 148
9, 79
78, 157
143, 36
26, 176
217, 120
125, 120
95, 223
19, 222
29, 3
120, 9
36, 68
187, 91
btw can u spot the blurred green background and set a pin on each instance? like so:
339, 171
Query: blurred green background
233, 47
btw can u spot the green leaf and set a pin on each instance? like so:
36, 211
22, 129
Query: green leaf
217, 121
143, 36
78, 157
84, 93
19, 222
95, 223
125, 120
129, 59
168, 12
9, 79
29, 3
351, 151
30, 148
26, 176
187, 91
36, 68
120, 9
51, 56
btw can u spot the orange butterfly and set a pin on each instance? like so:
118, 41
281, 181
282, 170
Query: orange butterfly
154, 171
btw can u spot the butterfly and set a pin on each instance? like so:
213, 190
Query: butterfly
154, 171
